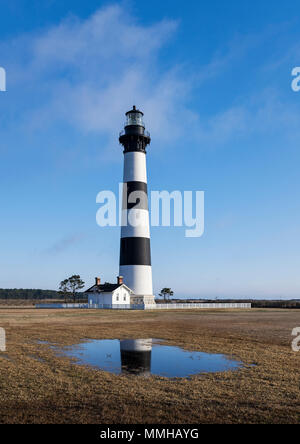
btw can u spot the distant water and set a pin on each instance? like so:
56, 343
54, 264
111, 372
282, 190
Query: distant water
148, 356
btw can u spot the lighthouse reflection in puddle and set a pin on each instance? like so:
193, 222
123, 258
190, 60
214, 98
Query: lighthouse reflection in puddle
142, 357
136, 356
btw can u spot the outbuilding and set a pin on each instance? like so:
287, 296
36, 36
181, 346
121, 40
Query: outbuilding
109, 295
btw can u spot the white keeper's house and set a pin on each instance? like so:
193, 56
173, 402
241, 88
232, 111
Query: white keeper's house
109, 295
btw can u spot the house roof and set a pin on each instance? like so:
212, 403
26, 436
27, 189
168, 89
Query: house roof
107, 288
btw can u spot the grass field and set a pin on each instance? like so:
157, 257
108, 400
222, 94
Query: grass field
36, 386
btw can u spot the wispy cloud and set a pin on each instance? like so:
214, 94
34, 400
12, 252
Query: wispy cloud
65, 243
88, 72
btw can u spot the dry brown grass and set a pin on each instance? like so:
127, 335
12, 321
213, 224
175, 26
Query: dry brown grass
37, 386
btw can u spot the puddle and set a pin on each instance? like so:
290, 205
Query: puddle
148, 356
4, 356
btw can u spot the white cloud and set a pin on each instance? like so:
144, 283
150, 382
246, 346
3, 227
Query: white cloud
109, 33
89, 72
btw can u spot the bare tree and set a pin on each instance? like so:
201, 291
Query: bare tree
71, 285
64, 289
166, 293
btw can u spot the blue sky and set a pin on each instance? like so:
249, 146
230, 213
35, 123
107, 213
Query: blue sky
214, 81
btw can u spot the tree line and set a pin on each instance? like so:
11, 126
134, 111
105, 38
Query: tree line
68, 290
27, 293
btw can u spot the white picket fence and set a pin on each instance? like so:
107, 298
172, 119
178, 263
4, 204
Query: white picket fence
183, 306
113, 307
62, 305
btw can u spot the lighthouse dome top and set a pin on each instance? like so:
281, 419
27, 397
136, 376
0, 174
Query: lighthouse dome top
134, 117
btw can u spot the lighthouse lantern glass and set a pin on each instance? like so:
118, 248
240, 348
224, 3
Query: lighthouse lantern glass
135, 119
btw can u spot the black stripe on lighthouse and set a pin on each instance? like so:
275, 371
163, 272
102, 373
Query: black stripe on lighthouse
136, 196
135, 251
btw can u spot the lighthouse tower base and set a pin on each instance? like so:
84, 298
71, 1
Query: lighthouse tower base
139, 279
145, 301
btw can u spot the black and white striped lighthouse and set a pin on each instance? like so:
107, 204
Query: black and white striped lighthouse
135, 254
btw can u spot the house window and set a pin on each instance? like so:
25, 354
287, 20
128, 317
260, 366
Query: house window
124, 298
117, 298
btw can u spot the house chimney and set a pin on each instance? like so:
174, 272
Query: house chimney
120, 280
97, 281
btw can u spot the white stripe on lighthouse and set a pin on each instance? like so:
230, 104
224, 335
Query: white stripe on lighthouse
135, 223
136, 345
135, 167
138, 278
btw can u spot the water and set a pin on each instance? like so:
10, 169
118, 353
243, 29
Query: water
148, 356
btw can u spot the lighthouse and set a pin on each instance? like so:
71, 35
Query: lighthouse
135, 253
